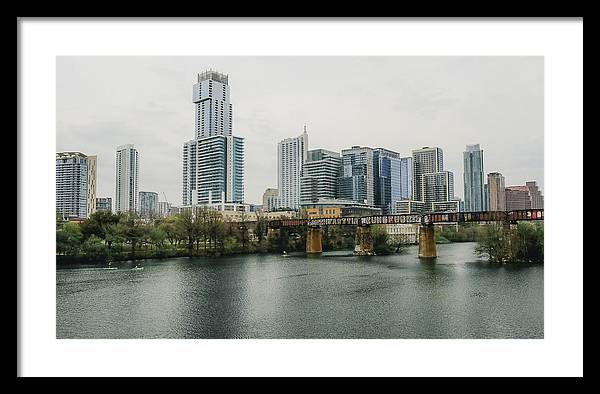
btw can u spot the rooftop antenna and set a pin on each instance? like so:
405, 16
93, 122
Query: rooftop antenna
304, 128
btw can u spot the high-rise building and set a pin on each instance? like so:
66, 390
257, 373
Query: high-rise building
75, 184
357, 182
517, 197
291, 155
127, 174
437, 187
320, 174
386, 172
213, 162
537, 199
104, 204
406, 178
425, 161
473, 178
214, 112
148, 205
91, 189
164, 209
270, 200
496, 194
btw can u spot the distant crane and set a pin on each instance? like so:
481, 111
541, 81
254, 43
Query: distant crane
165, 196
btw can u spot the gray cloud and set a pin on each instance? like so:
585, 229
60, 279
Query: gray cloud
401, 103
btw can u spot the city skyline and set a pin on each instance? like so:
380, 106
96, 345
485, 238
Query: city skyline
519, 158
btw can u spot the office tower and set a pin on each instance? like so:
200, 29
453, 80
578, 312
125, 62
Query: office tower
320, 175
517, 197
91, 189
496, 192
473, 178
291, 155
270, 200
213, 162
486, 197
437, 187
406, 178
75, 184
386, 173
127, 174
425, 161
537, 199
357, 180
104, 204
148, 205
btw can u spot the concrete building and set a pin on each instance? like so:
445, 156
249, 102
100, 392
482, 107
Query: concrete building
213, 162
291, 155
104, 204
148, 205
357, 180
164, 209
127, 176
75, 185
496, 195
325, 206
474, 178
409, 207
445, 206
320, 174
437, 187
270, 200
537, 199
517, 197
403, 233
425, 161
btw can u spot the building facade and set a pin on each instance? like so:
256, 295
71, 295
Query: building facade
437, 187
127, 174
291, 155
104, 204
270, 200
425, 161
473, 178
358, 175
75, 185
320, 174
164, 209
496, 192
517, 197
148, 205
537, 199
213, 162
408, 207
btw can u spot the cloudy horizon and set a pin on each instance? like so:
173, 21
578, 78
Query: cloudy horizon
398, 103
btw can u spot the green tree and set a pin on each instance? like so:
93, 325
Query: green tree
530, 242
381, 244
494, 244
95, 247
69, 239
133, 230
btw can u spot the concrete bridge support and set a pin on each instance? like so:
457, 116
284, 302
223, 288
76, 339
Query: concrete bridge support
314, 240
427, 241
364, 241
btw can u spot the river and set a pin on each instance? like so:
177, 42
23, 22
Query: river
335, 295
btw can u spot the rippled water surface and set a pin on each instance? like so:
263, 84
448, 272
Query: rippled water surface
332, 296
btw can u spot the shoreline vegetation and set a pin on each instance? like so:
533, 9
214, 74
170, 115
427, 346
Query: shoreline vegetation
106, 236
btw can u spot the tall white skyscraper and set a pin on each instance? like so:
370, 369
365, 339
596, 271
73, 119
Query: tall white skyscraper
474, 178
213, 162
127, 174
291, 155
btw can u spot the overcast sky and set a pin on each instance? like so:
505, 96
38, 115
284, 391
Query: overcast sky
399, 103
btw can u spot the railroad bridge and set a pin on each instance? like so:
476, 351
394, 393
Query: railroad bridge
427, 249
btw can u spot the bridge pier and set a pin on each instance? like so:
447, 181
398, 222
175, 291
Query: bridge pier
427, 241
314, 240
364, 241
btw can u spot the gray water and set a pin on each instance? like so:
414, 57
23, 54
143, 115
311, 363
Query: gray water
336, 295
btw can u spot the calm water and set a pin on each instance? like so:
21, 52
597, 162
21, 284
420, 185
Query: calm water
333, 296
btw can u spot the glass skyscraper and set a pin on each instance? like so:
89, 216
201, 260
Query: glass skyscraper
473, 178
320, 174
357, 180
425, 161
291, 155
213, 162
